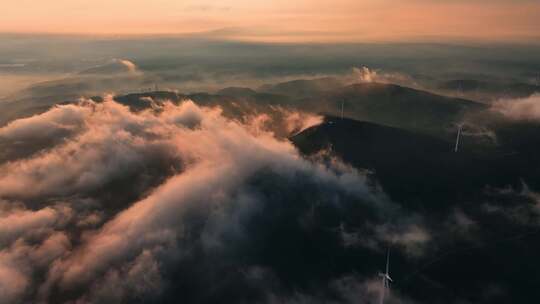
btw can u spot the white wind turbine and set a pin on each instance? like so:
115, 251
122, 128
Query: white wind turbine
386, 279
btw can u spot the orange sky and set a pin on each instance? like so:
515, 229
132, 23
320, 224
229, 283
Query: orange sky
281, 20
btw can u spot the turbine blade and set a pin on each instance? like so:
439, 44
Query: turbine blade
456, 148
388, 261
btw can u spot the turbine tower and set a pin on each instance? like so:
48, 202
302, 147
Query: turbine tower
342, 106
386, 279
456, 148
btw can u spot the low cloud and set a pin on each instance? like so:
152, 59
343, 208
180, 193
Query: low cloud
22, 261
60, 121
290, 121
297, 122
126, 198
519, 109
412, 237
110, 143
130, 65
18, 222
367, 75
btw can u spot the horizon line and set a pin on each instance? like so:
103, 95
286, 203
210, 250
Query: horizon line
315, 38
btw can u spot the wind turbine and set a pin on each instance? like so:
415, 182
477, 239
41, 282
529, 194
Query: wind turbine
386, 279
457, 138
342, 106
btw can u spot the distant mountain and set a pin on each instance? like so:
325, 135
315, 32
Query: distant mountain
237, 92
397, 106
253, 103
230, 104
386, 104
256, 98
303, 87
139, 101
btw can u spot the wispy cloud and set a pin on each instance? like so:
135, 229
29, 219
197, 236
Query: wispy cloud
519, 109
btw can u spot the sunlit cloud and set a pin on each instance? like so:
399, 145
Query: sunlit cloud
519, 109
84, 242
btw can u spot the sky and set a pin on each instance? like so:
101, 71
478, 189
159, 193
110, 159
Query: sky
280, 20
